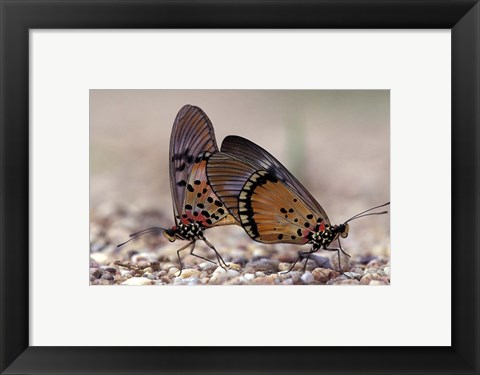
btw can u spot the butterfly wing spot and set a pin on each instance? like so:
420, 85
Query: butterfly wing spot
307, 224
283, 210
188, 207
310, 216
190, 188
210, 200
221, 211
182, 183
218, 203
200, 205
199, 195
197, 182
290, 210
280, 236
181, 167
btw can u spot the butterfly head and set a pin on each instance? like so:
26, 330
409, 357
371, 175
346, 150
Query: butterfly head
341, 230
171, 234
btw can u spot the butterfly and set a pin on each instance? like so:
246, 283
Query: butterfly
269, 202
196, 207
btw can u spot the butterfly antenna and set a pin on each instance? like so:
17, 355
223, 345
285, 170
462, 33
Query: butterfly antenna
361, 214
142, 232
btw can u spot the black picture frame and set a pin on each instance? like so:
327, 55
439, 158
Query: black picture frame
18, 16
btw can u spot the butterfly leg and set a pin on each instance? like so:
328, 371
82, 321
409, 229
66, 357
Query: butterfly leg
301, 255
178, 255
338, 254
220, 260
199, 256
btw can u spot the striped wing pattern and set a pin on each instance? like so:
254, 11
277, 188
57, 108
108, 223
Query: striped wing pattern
269, 210
192, 139
263, 160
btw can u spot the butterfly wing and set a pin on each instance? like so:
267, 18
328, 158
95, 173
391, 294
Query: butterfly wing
269, 210
192, 138
263, 160
201, 203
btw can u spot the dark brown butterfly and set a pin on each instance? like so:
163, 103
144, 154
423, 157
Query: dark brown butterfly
196, 206
269, 202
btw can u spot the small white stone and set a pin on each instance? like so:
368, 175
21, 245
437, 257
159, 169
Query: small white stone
259, 274
138, 281
143, 257
100, 257
387, 271
249, 276
307, 277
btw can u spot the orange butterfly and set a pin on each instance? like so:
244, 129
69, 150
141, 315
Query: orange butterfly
269, 202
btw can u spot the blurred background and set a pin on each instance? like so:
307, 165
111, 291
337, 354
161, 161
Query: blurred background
337, 143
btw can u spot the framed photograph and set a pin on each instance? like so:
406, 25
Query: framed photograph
203, 187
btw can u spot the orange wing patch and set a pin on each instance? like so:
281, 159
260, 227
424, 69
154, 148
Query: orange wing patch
270, 212
201, 204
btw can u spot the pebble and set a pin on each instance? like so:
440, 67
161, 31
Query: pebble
173, 271
347, 282
207, 266
96, 272
190, 272
143, 258
167, 266
284, 266
322, 262
366, 279
149, 275
138, 281
322, 275
249, 276
264, 265
353, 275
111, 270
107, 276
186, 281
219, 276
307, 277
375, 270
378, 282
126, 272
100, 257
387, 271
267, 280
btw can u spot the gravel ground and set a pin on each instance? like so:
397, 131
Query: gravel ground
152, 259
